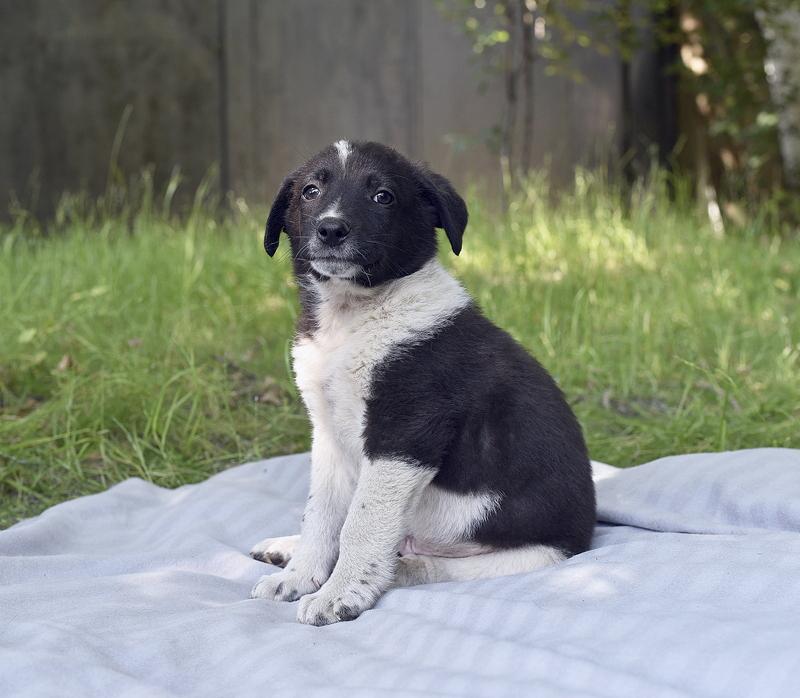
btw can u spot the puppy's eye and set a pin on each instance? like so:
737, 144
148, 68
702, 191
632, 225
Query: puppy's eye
383, 197
310, 192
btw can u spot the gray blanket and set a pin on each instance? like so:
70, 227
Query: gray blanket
692, 588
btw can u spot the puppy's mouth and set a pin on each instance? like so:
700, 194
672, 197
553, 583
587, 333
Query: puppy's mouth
336, 267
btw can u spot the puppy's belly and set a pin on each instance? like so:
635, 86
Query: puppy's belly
442, 523
413, 546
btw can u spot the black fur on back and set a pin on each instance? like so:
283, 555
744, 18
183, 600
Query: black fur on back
473, 403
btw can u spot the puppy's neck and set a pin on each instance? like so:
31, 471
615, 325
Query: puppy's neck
431, 292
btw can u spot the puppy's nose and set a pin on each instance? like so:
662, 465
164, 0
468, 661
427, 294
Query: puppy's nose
332, 231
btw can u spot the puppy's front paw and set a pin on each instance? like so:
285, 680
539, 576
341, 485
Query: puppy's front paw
333, 605
284, 586
275, 551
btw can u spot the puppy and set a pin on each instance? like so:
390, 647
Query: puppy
441, 450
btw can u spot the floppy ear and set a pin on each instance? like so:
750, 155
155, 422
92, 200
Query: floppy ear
451, 211
277, 216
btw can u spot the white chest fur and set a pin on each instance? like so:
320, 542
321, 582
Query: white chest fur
358, 328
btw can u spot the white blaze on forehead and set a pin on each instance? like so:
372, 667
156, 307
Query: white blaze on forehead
344, 149
332, 211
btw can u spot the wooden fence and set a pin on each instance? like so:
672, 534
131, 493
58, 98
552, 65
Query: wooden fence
255, 86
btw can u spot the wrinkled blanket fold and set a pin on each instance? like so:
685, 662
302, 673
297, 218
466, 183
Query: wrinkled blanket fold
692, 588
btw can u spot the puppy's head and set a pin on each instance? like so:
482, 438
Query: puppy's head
363, 212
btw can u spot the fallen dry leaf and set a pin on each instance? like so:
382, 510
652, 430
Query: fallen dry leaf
65, 364
271, 393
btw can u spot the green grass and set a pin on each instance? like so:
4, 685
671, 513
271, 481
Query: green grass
139, 345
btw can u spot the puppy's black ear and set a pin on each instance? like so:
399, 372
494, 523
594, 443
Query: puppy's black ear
277, 216
451, 211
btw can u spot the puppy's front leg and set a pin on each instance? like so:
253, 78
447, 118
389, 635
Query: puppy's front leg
377, 520
332, 486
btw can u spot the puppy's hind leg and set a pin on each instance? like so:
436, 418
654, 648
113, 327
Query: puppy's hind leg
425, 569
275, 551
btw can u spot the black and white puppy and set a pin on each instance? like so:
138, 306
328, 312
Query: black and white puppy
441, 449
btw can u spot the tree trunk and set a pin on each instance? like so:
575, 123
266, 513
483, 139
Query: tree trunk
782, 66
508, 128
528, 57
